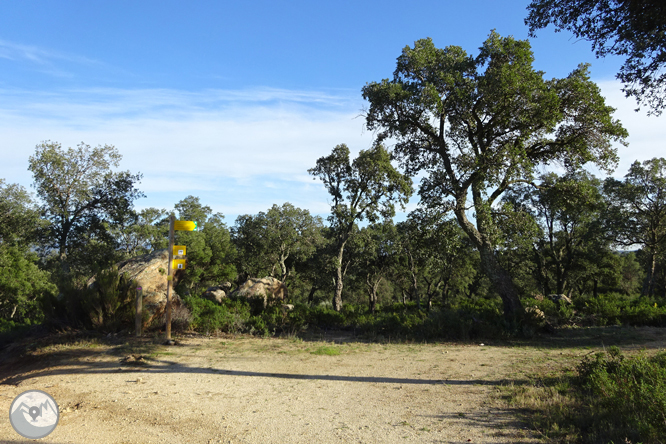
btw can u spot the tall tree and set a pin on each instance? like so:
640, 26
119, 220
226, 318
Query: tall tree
80, 193
143, 232
638, 210
476, 126
635, 29
22, 282
366, 188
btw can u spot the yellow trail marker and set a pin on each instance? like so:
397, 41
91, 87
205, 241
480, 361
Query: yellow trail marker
185, 225
179, 264
179, 250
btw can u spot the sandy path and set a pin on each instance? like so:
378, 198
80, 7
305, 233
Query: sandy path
276, 391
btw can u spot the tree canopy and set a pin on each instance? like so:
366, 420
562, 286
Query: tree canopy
80, 193
635, 29
477, 126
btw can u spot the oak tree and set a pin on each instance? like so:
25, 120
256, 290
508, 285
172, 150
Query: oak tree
477, 126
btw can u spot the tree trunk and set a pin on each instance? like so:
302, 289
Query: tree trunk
337, 298
372, 293
501, 282
479, 236
648, 284
311, 295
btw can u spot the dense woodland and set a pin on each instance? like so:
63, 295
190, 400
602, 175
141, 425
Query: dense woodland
507, 211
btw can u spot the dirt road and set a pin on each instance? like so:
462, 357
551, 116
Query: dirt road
273, 391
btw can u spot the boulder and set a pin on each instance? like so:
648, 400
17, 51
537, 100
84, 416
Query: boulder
535, 314
150, 273
268, 289
215, 294
560, 299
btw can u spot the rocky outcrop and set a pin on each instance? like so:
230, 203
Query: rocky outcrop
215, 294
150, 273
560, 299
269, 289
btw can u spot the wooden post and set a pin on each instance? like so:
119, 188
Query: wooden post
172, 220
139, 305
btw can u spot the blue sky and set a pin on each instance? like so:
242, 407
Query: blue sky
234, 101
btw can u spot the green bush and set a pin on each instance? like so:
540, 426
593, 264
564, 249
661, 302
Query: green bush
208, 317
626, 396
108, 303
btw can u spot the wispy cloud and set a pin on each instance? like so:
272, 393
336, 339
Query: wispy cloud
236, 150
240, 151
19, 52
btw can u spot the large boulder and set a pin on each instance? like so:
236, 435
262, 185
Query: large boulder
268, 289
215, 294
560, 299
150, 273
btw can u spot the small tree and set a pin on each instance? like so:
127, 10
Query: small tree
366, 188
210, 253
269, 240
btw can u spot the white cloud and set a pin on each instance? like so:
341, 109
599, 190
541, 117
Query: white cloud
239, 151
646, 134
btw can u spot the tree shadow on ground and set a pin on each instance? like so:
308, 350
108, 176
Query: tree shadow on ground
500, 424
85, 362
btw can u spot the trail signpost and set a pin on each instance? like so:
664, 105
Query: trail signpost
175, 264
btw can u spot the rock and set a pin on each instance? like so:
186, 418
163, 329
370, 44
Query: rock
287, 307
538, 297
535, 313
150, 273
215, 294
268, 289
560, 299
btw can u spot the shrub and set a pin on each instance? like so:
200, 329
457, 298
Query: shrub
627, 396
109, 302
209, 317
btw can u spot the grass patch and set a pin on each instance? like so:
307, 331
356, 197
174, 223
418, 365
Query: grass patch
326, 350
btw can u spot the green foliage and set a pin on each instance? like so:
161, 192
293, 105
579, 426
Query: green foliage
22, 285
626, 396
637, 214
609, 398
208, 317
19, 216
633, 29
210, 253
478, 126
275, 240
81, 198
366, 188
109, 302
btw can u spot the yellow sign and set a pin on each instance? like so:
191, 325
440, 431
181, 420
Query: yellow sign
179, 250
185, 225
179, 264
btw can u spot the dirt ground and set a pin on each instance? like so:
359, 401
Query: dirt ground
250, 390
